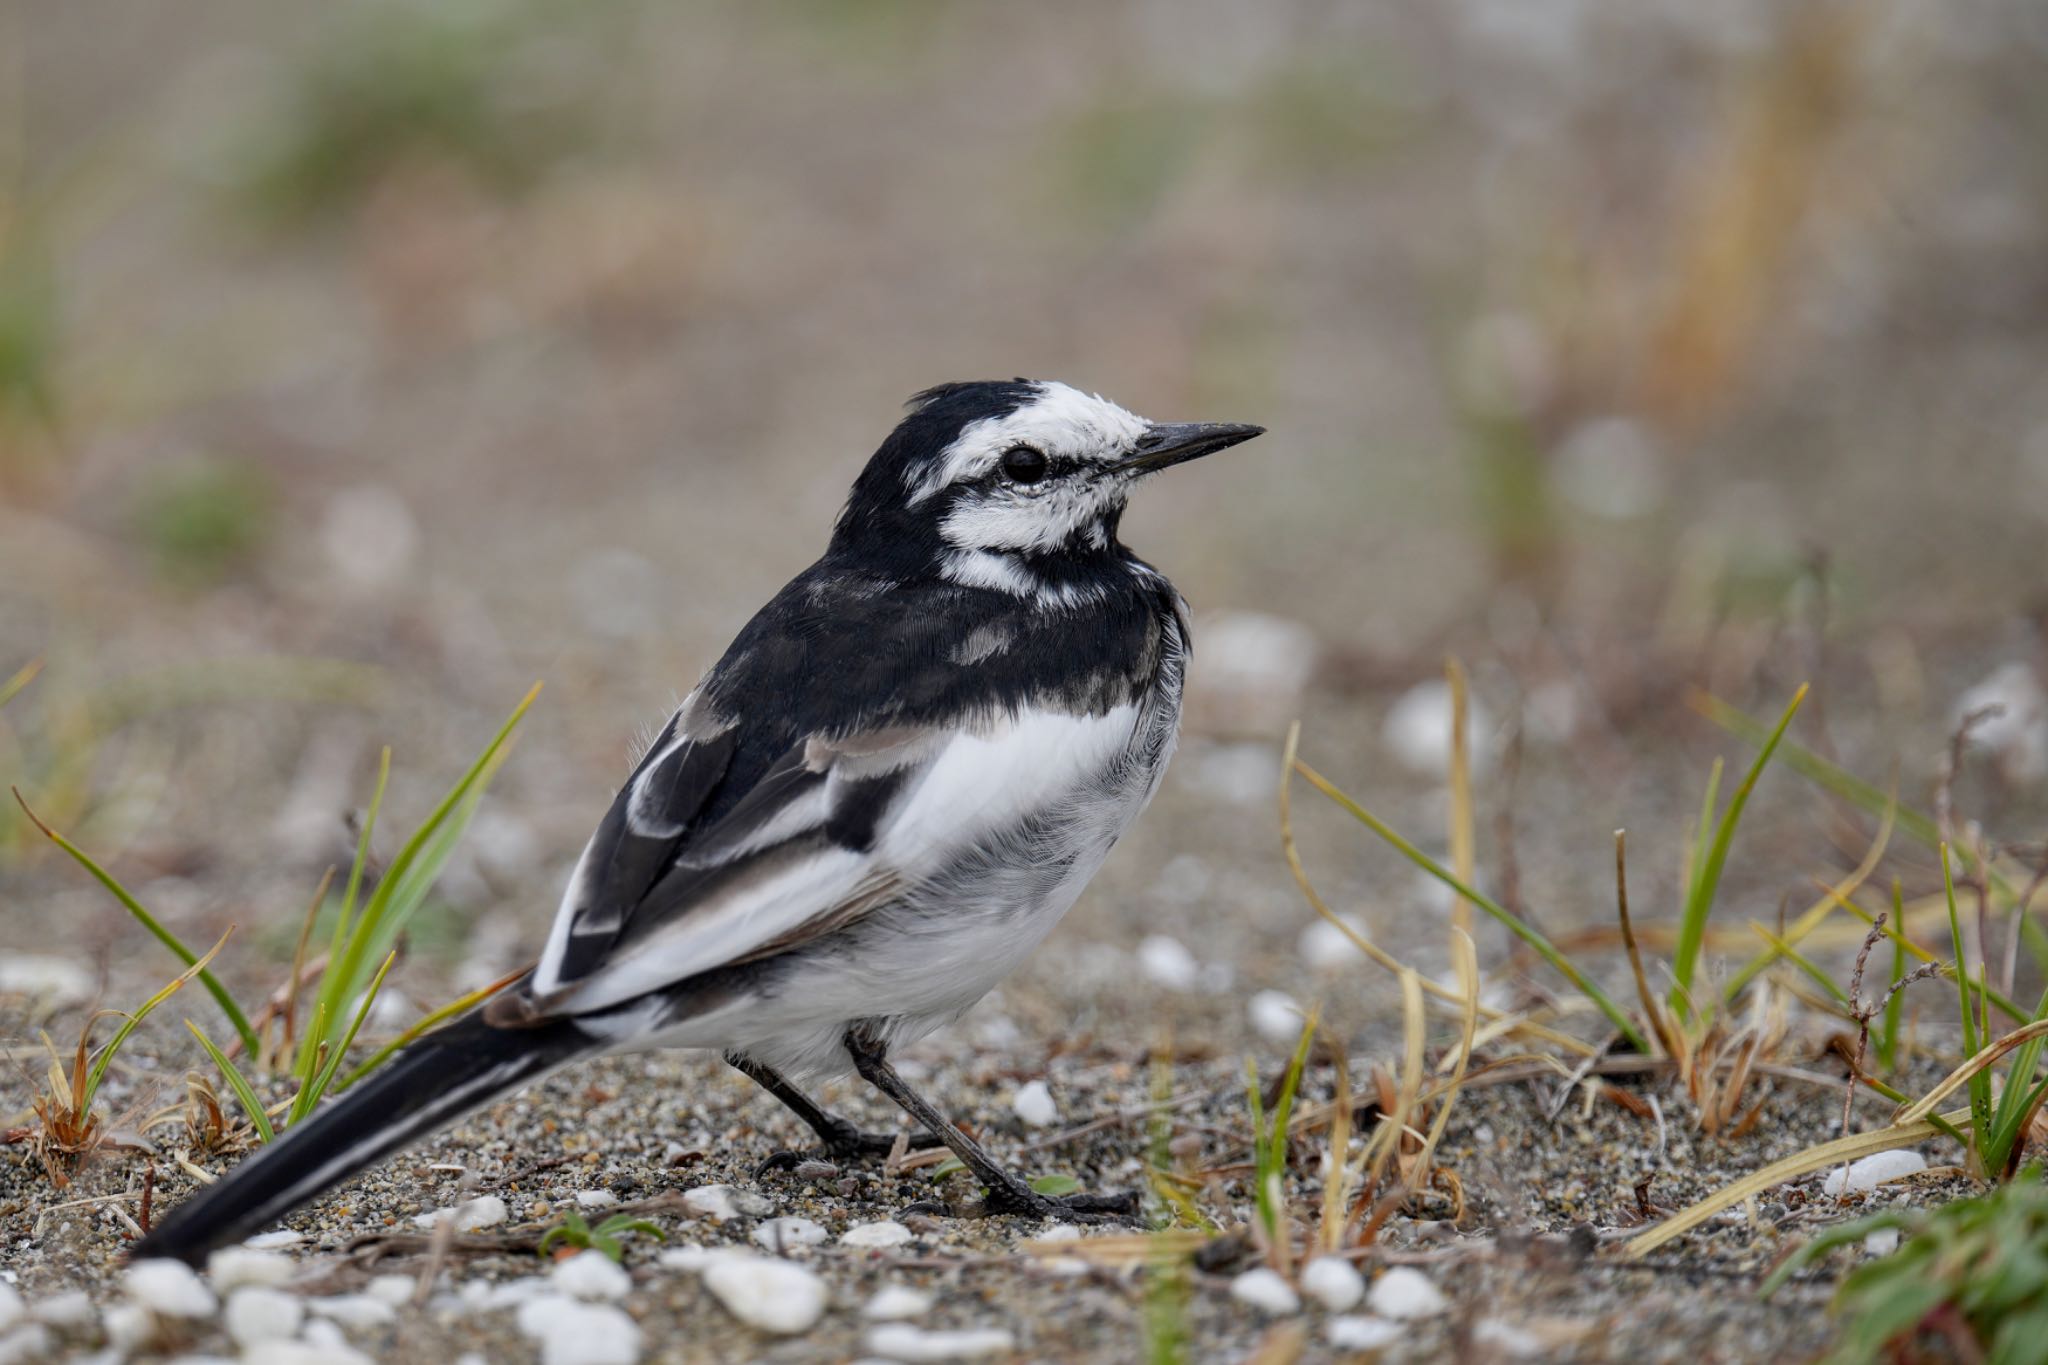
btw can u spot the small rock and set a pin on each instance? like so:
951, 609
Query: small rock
1405, 1292
1325, 947
170, 1288
484, 1211
905, 1342
52, 982
1333, 1283
232, 1267
1264, 1290
2017, 736
396, 1290
1166, 961
129, 1327
596, 1199
886, 1233
1882, 1242
1275, 1017
766, 1293
356, 1312
712, 1201
1249, 675
29, 1344
572, 1333
691, 1257
11, 1309
1508, 1338
69, 1310
1417, 731
894, 1302
256, 1313
1361, 1333
1034, 1104
778, 1234
1872, 1171
274, 1241
591, 1275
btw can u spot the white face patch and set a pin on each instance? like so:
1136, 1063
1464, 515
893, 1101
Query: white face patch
1069, 427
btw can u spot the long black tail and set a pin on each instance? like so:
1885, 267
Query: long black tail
431, 1084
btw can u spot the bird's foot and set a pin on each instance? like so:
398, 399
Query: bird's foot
844, 1142
1022, 1200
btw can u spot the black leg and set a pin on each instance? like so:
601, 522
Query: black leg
840, 1138
1006, 1193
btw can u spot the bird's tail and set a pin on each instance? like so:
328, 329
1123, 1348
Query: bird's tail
429, 1085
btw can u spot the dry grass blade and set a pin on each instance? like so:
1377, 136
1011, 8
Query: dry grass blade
1790, 1168
1983, 1058
1464, 854
1652, 1015
1468, 975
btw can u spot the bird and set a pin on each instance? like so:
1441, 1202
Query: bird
893, 784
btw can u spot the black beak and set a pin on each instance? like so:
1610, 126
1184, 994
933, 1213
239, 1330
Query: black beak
1171, 443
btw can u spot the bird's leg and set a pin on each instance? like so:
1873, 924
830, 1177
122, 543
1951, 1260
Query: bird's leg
1006, 1193
839, 1137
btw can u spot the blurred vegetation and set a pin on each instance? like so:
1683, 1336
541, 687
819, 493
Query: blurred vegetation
203, 520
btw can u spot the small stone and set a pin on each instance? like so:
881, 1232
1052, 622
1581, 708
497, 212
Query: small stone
712, 1201
170, 1288
596, 1199
256, 1313
767, 1293
1405, 1292
52, 982
11, 1309
129, 1326
1876, 1169
396, 1290
886, 1233
1034, 1104
906, 1342
691, 1257
1264, 1290
1275, 1016
233, 1267
1508, 1338
893, 1303
1361, 1333
356, 1312
1882, 1242
29, 1344
778, 1234
484, 1211
274, 1241
591, 1275
1166, 961
1417, 730
573, 1333
69, 1310
1325, 947
1333, 1283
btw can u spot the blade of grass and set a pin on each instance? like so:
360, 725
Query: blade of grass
1782, 947
1704, 830
238, 1083
459, 1005
129, 1022
23, 676
1513, 923
1980, 1099
1825, 906
1464, 856
1467, 958
148, 921
1707, 873
307, 1098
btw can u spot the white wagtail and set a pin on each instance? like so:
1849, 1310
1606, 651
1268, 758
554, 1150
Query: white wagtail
892, 786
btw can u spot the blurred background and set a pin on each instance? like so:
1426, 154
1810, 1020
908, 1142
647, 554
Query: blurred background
362, 363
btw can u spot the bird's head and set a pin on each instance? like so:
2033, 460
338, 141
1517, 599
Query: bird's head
998, 483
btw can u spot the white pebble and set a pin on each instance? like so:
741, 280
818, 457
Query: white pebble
1034, 1104
1167, 962
309, 1352
2017, 736
396, 1290
357, 1312
905, 1342
70, 1309
1326, 947
1334, 1283
274, 1241
894, 1302
886, 1233
1405, 1292
1275, 1017
484, 1211
766, 1293
29, 1344
233, 1267
1417, 731
1872, 1171
129, 1327
1508, 1338
713, 1201
1264, 1290
52, 982
691, 1257
259, 1314
572, 1333
596, 1199
170, 1288
1882, 1242
591, 1275
1361, 1333
11, 1310
778, 1234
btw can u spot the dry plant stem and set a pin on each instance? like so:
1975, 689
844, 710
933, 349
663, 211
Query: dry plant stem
1652, 1015
1983, 1058
298, 978
2021, 909
1464, 856
1864, 1012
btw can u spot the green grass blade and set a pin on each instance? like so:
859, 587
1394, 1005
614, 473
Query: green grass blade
460, 1005
1704, 829
23, 676
1895, 1002
1781, 948
148, 921
303, 1102
130, 1021
1706, 880
1514, 924
238, 1083
345, 919
1980, 1082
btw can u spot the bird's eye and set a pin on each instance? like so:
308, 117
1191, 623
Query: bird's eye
1022, 464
